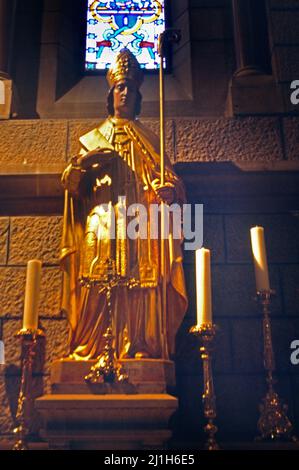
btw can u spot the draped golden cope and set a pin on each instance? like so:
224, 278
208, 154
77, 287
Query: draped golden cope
136, 312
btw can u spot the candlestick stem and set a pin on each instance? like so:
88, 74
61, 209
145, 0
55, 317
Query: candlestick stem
25, 401
107, 369
206, 334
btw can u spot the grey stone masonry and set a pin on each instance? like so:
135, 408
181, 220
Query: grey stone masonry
250, 139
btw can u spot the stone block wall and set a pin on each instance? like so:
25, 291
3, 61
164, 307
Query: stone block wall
263, 145
47, 144
284, 45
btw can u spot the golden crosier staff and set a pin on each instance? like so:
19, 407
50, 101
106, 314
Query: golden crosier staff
168, 36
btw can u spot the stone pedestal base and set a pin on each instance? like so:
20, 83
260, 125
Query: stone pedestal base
147, 375
109, 422
110, 416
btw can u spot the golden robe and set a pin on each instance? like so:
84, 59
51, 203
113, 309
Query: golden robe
136, 311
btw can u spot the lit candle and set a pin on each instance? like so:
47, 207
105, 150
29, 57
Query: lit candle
260, 259
203, 286
30, 319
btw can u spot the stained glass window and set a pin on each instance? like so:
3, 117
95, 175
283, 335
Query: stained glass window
115, 24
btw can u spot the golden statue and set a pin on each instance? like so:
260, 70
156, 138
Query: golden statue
119, 165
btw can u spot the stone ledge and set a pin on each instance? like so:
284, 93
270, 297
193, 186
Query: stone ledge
274, 183
101, 410
28, 175
34, 169
106, 421
89, 401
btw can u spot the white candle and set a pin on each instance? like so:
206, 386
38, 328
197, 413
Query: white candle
2, 356
30, 319
203, 286
259, 258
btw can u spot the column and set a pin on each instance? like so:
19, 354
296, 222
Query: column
251, 37
6, 28
7, 8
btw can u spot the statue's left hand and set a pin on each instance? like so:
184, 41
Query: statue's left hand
95, 157
166, 192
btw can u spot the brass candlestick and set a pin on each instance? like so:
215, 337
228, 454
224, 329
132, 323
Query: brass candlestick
273, 422
206, 334
25, 401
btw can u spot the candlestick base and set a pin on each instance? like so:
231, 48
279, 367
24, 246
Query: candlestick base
273, 423
211, 429
20, 443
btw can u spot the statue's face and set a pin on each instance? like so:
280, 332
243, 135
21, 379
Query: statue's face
124, 98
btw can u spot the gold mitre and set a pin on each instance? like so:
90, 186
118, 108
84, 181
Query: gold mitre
125, 67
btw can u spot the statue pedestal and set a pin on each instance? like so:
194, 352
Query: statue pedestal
147, 375
76, 418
